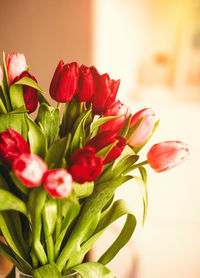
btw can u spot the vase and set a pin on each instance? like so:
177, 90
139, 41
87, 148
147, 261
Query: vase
19, 274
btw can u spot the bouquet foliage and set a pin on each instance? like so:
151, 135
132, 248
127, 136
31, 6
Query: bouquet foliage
59, 173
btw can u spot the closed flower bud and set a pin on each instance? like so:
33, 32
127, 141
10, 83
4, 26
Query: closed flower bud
105, 91
106, 138
166, 155
30, 93
145, 129
85, 165
30, 169
58, 183
116, 109
64, 83
1, 75
12, 144
15, 64
85, 84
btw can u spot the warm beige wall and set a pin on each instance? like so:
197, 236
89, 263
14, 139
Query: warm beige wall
46, 31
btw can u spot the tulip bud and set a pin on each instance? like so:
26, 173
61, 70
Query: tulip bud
85, 84
58, 183
1, 75
106, 138
12, 144
116, 109
105, 91
30, 169
85, 165
166, 155
30, 93
145, 129
64, 83
15, 64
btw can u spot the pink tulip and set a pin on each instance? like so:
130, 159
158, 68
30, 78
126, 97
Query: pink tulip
58, 183
166, 155
117, 108
1, 75
16, 64
30, 169
145, 129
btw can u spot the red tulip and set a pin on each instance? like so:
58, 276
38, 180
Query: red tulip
1, 75
64, 83
116, 109
145, 129
85, 84
30, 169
85, 165
58, 183
15, 64
30, 94
106, 138
166, 155
105, 91
12, 144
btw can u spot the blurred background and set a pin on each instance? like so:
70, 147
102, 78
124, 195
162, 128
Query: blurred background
153, 46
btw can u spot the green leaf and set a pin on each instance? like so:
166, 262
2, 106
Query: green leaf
83, 190
42, 99
124, 235
124, 131
36, 138
119, 167
19, 184
2, 107
5, 85
36, 204
71, 113
57, 151
79, 131
96, 124
8, 201
6, 253
93, 270
117, 210
88, 218
49, 221
105, 151
16, 96
47, 271
15, 121
49, 120
142, 183
12, 240
29, 82
70, 208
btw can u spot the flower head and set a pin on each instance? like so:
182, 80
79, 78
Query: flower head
145, 129
85, 165
12, 144
30, 169
166, 155
30, 93
58, 183
105, 91
15, 64
65, 81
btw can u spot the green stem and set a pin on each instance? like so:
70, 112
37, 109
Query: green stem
59, 105
136, 166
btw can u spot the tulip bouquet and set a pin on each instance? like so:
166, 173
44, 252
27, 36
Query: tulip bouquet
59, 173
